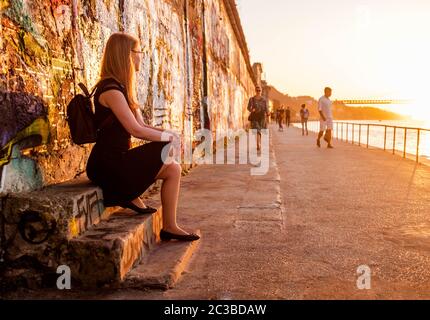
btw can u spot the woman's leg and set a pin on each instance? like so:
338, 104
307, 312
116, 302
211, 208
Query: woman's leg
138, 201
255, 126
171, 176
260, 126
259, 141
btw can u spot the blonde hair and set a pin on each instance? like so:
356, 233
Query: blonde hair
117, 63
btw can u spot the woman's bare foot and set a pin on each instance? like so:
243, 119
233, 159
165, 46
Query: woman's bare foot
139, 203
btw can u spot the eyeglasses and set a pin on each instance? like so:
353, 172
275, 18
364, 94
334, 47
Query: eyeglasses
138, 51
258, 90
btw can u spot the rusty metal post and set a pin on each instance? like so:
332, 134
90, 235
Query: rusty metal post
347, 129
359, 134
385, 138
342, 132
368, 129
337, 131
418, 145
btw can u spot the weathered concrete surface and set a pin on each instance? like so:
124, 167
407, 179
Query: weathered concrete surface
75, 206
38, 224
349, 207
163, 267
340, 209
107, 252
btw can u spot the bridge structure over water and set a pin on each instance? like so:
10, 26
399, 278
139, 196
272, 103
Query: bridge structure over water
371, 101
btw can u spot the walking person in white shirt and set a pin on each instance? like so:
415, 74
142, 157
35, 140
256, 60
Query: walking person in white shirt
326, 118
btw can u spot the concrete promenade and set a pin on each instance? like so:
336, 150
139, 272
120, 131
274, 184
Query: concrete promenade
301, 231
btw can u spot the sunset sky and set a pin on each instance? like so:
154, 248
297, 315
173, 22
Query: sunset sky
363, 49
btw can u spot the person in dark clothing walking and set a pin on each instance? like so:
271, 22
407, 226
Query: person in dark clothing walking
288, 117
259, 110
123, 173
280, 114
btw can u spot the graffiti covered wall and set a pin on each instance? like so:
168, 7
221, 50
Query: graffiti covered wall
196, 70
229, 82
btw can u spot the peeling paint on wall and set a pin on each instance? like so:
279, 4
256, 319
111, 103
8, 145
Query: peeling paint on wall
47, 47
230, 84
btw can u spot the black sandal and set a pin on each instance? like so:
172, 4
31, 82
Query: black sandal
147, 210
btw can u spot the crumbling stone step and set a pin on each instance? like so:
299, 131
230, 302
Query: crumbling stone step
38, 225
72, 207
107, 252
163, 267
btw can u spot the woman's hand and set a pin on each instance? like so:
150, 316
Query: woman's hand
173, 137
176, 135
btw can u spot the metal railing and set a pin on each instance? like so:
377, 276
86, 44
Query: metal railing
351, 132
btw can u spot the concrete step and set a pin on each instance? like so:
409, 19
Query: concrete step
107, 252
163, 267
74, 206
100, 246
38, 224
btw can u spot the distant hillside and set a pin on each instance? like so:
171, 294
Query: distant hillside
340, 111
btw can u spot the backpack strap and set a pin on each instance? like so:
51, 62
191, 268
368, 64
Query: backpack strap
102, 87
85, 90
108, 84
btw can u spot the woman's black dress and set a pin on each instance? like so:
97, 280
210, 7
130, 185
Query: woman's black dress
122, 173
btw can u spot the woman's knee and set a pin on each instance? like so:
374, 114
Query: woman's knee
172, 170
177, 169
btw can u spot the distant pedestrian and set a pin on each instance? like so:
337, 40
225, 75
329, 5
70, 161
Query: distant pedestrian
280, 115
258, 108
288, 117
326, 118
304, 116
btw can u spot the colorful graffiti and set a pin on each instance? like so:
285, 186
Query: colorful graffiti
230, 83
194, 72
89, 210
220, 47
23, 125
31, 83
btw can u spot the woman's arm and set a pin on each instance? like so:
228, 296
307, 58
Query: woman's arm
139, 119
251, 107
115, 100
